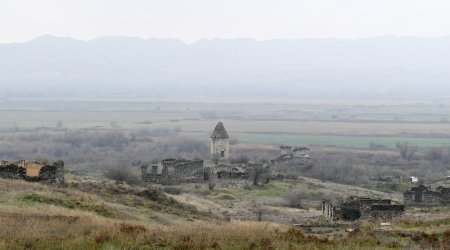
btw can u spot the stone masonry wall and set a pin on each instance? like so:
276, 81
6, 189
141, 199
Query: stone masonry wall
53, 174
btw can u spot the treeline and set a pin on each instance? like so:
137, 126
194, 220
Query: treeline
87, 150
358, 167
97, 150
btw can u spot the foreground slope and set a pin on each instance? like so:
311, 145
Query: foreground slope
91, 213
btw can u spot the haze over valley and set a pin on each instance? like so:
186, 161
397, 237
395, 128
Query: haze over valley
386, 67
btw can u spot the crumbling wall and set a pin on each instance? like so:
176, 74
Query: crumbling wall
53, 174
328, 210
231, 172
293, 156
285, 150
12, 171
175, 171
424, 196
152, 177
383, 211
362, 208
32, 171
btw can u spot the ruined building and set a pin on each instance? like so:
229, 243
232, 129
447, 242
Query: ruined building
361, 208
223, 171
293, 155
423, 195
175, 171
33, 171
219, 144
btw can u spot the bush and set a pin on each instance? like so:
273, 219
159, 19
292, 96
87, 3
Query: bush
294, 198
172, 190
122, 175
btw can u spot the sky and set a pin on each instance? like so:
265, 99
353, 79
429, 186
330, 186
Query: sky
190, 20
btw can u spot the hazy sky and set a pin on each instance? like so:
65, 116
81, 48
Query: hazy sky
22, 20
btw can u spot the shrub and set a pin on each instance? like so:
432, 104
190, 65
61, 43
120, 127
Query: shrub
172, 190
132, 229
294, 198
122, 175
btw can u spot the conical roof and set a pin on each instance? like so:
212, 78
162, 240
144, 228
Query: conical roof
219, 132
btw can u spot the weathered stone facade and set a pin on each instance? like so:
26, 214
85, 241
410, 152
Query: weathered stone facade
219, 148
293, 155
362, 208
424, 196
176, 171
223, 171
33, 171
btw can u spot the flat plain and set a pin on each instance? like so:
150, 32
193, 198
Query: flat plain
353, 124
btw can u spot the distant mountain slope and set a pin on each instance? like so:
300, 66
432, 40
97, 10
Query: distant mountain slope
384, 67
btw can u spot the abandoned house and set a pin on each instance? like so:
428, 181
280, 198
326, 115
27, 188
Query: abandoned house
423, 195
33, 171
243, 171
176, 171
293, 155
223, 171
219, 143
362, 208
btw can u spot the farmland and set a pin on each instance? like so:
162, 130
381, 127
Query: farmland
353, 124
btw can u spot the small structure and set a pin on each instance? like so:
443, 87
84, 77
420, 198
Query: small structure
293, 155
223, 171
33, 171
414, 179
176, 171
356, 208
219, 143
425, 196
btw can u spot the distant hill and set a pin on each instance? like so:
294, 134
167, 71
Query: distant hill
383, 67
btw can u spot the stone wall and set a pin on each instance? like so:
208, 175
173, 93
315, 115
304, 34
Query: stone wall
328, 210
362, 208
33, 171
220, 148
293, 156
285, 150
175, 171
424, 196
223, 172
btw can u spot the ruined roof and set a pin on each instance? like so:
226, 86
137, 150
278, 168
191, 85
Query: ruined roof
219, 132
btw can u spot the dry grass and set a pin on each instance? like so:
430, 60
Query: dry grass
169, 222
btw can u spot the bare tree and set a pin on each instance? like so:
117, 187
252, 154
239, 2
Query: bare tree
406, 152
260, 173
122, 175
294, 198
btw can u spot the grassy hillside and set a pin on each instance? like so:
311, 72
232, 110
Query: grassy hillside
91, 213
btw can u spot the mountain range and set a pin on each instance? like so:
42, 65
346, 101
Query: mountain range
376, 68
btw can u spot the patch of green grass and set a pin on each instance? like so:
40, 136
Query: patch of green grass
426, 224
69, 203
340, 140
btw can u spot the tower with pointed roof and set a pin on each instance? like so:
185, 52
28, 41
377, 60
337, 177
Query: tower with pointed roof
219, 145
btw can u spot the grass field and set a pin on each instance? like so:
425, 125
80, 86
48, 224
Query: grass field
91, 213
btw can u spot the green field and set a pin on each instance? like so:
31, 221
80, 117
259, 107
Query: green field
347, 123
346, 141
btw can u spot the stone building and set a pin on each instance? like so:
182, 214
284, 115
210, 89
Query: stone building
33, 171
176, 171
219, 143
362, 208
223, 171
423, 195
293, 155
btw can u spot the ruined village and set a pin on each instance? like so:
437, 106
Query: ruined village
219, 172
216, 125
